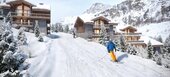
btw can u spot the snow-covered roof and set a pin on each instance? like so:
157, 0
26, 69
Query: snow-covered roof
4, 5
19, 2
42, 6
128, 26
146, 39
100, 17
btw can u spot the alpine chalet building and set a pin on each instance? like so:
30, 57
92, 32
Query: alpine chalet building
22, 13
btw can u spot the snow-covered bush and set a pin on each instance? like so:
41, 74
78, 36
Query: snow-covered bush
22, 40
40, 38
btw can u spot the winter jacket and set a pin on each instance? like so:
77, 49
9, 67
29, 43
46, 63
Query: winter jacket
110, 46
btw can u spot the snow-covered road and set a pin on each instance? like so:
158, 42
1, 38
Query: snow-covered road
65, 56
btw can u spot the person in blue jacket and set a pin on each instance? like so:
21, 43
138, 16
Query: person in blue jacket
111, 47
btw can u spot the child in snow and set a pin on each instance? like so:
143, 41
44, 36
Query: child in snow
111, 48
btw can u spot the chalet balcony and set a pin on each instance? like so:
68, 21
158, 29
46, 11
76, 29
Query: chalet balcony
131, 34
29, 15
24, 24
99, 26
133, 42
97, 35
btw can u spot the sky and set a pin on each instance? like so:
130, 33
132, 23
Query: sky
64, 8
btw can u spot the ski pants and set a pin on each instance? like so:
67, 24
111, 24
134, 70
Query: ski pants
112, 55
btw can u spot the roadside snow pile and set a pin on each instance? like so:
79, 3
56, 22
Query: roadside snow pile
60, 55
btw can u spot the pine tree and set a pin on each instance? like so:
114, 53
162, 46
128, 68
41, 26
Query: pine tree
22, 40
167, 41
53, 28
159, 38
36, 30
60, 28
11, 58
131, 50
157, 58
150, 50
66, 29
103, 36
122, 43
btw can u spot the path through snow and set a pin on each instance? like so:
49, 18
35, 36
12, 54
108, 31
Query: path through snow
67, 57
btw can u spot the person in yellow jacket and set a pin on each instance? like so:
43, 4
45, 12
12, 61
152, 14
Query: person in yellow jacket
111, 48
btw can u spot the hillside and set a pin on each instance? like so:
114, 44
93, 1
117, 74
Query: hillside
60, 55
141, 13
156, 29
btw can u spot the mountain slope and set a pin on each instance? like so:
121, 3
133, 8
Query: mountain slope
60, 55
138, 12
97, 8
156, 29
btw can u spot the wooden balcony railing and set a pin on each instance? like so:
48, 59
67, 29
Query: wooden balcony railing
31, 15
100, 26
132, 34
24, 24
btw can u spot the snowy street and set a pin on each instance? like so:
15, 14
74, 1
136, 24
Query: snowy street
63, 56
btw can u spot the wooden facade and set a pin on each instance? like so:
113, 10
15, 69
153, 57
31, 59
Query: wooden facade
79, 25
22, 13
92, 29
132, 37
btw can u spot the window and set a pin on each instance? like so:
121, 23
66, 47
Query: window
27, 11
97, 31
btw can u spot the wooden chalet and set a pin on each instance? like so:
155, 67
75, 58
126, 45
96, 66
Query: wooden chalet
132, 37
92, 29
22, 13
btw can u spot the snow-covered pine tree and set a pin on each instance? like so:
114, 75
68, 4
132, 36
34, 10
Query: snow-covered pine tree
36, 29
60, 28
157, 58
131, 50
103, 36
22, 40
159, 38
40, 38
167, 41
122, 43
149, 50
66, 29
166, 59
53, 28
10, 57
